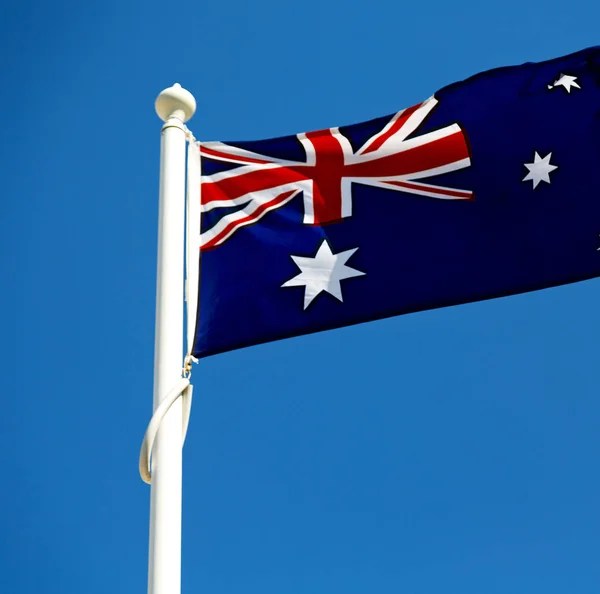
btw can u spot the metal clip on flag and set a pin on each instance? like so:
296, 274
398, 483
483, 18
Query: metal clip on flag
161, 454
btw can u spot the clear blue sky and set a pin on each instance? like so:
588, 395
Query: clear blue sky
452, 451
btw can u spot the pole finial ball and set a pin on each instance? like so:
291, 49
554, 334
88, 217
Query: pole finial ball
175, 102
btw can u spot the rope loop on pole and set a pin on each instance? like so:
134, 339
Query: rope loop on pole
184, 390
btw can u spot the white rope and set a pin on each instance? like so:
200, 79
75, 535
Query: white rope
189, 135
183, 389
192, 248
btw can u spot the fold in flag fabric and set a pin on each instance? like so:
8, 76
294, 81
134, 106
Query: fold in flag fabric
490, 187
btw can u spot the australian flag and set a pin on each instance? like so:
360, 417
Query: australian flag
490, 187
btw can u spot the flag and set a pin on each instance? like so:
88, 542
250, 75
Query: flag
491, 187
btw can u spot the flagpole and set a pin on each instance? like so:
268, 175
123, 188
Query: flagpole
174, 106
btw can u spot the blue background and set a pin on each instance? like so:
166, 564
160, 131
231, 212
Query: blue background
448, 451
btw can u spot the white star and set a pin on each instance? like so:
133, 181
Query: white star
539, 170
566, 81
322, 273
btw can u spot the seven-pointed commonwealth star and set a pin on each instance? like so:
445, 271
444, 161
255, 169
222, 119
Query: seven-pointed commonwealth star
566, 81
322, 273
540, 169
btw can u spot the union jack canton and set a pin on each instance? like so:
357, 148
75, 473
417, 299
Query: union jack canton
488, 188
325, 178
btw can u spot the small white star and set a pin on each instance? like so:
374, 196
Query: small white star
539, 170
322, 273
566, 81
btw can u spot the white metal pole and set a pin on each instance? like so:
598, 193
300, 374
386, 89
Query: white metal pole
174, 106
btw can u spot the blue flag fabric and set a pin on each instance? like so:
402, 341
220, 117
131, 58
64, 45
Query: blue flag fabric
489, 188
